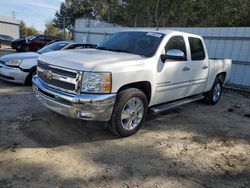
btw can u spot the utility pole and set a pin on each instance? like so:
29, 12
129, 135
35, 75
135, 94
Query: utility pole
13, 14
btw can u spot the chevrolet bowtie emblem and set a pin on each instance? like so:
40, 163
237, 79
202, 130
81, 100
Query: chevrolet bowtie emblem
48, 74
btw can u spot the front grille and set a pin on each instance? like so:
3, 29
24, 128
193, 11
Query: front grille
57, 77
57, 70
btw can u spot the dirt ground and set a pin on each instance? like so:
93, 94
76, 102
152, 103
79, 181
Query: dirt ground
192, 146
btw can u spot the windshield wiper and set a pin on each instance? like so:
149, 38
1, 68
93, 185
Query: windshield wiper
113, 50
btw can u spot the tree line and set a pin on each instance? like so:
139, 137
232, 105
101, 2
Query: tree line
50, 29
157, 13
151, 13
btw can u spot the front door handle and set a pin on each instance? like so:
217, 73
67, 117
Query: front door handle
186, 69
204, 67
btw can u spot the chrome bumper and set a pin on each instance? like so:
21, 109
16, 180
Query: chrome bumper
80, 106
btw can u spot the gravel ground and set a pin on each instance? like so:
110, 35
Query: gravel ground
192, 146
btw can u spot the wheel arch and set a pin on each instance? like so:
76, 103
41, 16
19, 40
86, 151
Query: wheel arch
221, 76
144, 86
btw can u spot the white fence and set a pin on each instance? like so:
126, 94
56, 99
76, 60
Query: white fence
233, 43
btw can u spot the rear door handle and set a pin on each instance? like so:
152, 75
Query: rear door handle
186, 69
204, 67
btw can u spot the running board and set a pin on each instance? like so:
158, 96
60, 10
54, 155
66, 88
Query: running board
167, 106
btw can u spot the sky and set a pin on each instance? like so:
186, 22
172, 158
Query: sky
33, 12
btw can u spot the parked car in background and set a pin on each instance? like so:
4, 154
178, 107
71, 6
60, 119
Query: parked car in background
129, 74
20, 67
32, 43
5, 39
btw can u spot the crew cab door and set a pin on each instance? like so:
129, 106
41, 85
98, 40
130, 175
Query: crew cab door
173, 75
199, 65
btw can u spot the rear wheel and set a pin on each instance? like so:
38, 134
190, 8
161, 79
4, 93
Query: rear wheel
18, 48
129, 112
213, 96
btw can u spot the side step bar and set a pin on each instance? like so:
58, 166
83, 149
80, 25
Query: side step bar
167, 106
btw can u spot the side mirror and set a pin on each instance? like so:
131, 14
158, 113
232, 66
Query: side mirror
173, 54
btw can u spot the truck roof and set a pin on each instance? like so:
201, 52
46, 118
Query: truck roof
165, 31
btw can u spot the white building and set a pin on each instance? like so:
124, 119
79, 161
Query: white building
9, 26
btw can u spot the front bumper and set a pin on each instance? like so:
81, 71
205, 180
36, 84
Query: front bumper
12, 74
96, 107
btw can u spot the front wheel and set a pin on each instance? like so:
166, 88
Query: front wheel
129, 112
213, 96
25, 48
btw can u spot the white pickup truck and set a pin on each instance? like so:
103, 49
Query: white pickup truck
129, 74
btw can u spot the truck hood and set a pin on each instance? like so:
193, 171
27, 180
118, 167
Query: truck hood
86, 59
24, 55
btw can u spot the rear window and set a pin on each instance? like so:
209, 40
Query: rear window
197, 49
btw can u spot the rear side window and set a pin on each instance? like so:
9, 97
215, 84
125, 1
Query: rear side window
176, 42
197, 49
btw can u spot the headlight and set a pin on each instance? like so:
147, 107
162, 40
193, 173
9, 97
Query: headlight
96, 82
13, 63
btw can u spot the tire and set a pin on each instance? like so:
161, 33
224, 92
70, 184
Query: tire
28, 80
18, 48
129, 112
213, 96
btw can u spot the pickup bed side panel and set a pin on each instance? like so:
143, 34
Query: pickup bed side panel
216, 67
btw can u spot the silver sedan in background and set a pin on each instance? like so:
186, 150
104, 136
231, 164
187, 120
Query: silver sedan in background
20, 67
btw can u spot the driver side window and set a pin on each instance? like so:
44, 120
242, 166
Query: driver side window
178, 43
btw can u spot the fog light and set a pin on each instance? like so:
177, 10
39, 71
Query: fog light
83, 115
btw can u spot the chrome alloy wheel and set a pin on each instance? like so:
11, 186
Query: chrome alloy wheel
132, 114
217, 92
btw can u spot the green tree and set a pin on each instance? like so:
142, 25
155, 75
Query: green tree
157, 13
70, 10
27, 31
23, 29
52, 30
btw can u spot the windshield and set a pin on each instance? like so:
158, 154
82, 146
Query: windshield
30, 38
134, 42
53, 47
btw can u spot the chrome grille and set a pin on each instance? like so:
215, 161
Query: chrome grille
58, 77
